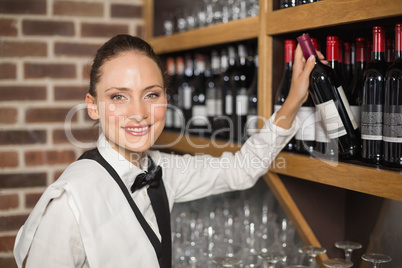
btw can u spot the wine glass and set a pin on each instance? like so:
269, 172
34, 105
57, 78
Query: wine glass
312, 252
376, 259
270, 259
348, 247
226, 261
337, 263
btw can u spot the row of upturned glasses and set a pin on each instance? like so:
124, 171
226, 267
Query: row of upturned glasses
245, 229
207, 12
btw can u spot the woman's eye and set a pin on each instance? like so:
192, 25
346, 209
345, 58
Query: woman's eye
118, 97
152, 96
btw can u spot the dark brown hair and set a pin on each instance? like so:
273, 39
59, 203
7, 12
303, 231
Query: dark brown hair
116, 46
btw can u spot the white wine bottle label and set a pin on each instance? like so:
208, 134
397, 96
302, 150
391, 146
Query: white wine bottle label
187, 97
218, 103
307, 120
178, 119
356, 110
229, 104
347, 107
371, 122
241, 105
320, 132
392, 129
331, 119
200, 115
211, 107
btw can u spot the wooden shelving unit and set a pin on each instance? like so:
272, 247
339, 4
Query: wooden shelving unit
270, 27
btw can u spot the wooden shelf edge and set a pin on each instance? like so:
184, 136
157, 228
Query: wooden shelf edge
212, 35
329, 13
185, 143
369, 180
289, 206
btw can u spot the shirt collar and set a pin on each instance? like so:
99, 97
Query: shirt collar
126, 170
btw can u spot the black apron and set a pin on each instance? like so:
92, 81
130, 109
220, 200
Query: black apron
160, 206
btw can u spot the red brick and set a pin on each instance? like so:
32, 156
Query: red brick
140, 32
8, 115
12, 223
8, 201
31, 199
22, 180
49, 70
78, 9
47, 27
22, 49
47, 115
8, 70
8, 27
75, 50
102, 30
126, 11
8, 159
22, 93
6, 244
20, 137
37, 158
86, 70
23, 7
70, 92
8, 262
89, 135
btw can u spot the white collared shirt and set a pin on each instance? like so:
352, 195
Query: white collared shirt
57, 241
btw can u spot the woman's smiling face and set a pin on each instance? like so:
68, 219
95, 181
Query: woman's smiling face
130, 102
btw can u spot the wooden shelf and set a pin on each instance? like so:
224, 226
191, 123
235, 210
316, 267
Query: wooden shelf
212, 35
369, 180
185, 143
327, 13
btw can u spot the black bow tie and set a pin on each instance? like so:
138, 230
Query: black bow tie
151, 177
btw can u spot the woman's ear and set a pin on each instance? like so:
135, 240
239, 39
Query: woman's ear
92, 107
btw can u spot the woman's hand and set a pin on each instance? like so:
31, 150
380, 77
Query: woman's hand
298, 92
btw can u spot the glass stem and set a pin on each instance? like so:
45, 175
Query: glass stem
348, 255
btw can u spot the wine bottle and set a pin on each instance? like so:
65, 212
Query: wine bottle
222, 125
328, 96
171, 72
188, 89
347, 65
252, 116
213, 98
389, 53
392, 129
284, 84
305, 136
373, 100
229, 93
334, 59
199, 120
356, 92
178, 116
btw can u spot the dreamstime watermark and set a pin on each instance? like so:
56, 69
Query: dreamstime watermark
185, 132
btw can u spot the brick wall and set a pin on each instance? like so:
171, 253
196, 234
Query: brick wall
45, 49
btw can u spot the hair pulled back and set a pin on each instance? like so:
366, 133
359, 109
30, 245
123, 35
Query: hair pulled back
116, 46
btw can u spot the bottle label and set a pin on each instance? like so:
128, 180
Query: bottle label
218, 105
241, 105
392, 129
331, 119
307, 120
229, 104
347, 107
320, 133
356, 110
187, 97
371, 122
211, 107
200, 115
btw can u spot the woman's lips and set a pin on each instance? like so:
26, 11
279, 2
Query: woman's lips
137, 130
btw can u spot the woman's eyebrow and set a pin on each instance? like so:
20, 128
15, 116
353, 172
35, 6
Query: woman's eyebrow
152, 86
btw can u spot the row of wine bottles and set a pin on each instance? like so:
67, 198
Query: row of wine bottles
214, 95
350, 113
